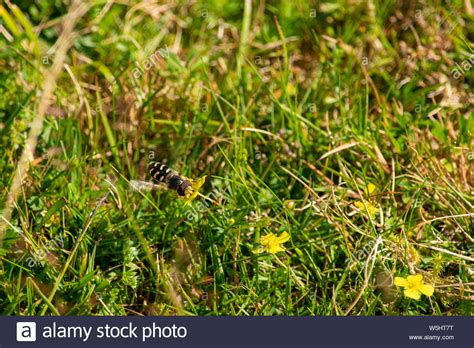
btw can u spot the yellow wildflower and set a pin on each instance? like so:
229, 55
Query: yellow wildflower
370, 189
414, 286
273, 244
193, 191
371, 209
290, 89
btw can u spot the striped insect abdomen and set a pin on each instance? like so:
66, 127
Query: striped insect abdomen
159, 172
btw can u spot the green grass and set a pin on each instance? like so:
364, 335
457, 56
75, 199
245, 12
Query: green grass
290, 109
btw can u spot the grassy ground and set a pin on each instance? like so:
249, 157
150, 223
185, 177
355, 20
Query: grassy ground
346, 124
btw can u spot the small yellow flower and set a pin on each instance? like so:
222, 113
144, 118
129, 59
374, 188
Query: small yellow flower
414, 286
193, 191
290, 89
370, 189
371, 209
273, 244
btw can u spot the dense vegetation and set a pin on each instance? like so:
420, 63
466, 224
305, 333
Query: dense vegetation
347, 125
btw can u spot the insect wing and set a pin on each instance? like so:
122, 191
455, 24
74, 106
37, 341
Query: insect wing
144, 186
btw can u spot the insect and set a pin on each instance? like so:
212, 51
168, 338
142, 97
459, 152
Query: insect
162, 174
